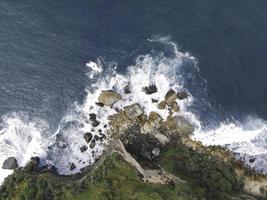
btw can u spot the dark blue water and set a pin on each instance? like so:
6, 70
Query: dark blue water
44, 46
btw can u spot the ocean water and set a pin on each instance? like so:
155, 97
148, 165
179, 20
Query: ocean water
56, 57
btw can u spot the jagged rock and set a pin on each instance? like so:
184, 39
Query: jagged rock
33, 165
134, 110
10, 163
182, 95
155, 118
92, 116
162, 105
170, 97
151, 89
109, 97
178, 123
72, 166
175, 107
92, 144
99, 104
156, 151
127, 89
88, 137
83, 148
95, 123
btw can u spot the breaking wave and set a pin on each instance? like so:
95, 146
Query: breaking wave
165, 67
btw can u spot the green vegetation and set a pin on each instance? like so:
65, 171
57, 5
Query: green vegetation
115, 179
202, 171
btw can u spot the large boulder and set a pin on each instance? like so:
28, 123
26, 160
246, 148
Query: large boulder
170, 97
109, 97
155, 118
180, 124
10, 163
133, 110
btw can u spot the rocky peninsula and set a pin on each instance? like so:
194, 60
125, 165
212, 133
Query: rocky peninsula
147, 157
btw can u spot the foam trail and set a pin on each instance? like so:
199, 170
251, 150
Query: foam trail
21, 139
247, 140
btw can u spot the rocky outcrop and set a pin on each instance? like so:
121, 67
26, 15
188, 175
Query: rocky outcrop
134, 110
109, 97
10, 163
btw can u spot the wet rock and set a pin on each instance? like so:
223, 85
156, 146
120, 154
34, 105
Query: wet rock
156, 151
83, 148
180, 124
150, 89
162, 105
134, 110
92, 116
72, 166
88, 137
10, 163
127, 89
170, 97
96, 137
109, 97
92, 144
154, 100
95, 123
99, 104
175, 107
33, 165
182, 95
154, 117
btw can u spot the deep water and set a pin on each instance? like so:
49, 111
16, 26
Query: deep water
45, 45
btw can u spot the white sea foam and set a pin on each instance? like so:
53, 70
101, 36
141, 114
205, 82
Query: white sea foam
23, 139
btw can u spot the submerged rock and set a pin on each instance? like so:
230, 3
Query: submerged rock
134, 110
150, 89
95, 123
127, 89
182, 95
83, 148
88, 137
170, 97
10, 163
72, 166
92, 144
109, 97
